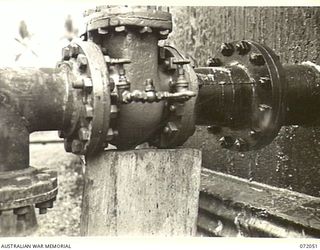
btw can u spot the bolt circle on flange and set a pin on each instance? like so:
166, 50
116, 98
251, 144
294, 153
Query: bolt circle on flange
20, 189
90, 90
267, 95
118, 18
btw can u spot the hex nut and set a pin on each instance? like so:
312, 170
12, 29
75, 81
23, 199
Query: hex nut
82, 61
77, 146
227, 49
84, 134
243, 47
145, 30
257, 59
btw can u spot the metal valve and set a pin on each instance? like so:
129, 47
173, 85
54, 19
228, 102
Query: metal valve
119, 86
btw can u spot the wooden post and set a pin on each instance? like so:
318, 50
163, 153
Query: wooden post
141, 192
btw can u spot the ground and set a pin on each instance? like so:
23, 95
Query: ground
64, 218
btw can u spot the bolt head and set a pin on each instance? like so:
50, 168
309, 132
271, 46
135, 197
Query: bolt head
110, 134
227, 49
237, 144
82, 61
115, 133
145, 30
120, 29
74, 50
163, 34
21, 210
226, 141
257, 59
254, 134
264, 107
214, 62
172, 108
84, 134
78, 84
265, 83
66, 53
170, 128
88, 111
112, 84
243, 47
103, 31
87, 83
77, 146
113, 111
42, 210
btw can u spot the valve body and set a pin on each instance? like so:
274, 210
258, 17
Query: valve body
118, 85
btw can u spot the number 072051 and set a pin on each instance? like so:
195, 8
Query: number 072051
310, 246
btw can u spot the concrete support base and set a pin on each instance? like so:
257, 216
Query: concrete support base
141, 193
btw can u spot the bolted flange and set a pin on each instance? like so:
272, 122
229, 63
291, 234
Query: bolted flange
20, 189
253, 85
86, 128
120, 18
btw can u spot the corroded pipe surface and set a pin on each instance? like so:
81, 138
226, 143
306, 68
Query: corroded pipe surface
37, 95
227, 93
303, 95
225, 97
30, 100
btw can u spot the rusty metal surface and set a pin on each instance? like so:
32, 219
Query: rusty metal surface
37, 95
250, 98
114, 16
30, 100
87, 128
231, 206
142, 51
181, 115
292, 160
20, 189
140, 62
121, 86
303, 94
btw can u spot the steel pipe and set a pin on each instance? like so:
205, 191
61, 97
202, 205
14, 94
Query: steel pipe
119, 85
226, 95
303, 94
30, 100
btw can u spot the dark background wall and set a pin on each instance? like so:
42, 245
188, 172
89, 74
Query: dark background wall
293, 160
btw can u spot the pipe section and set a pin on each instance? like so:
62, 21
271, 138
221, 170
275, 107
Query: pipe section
30, 100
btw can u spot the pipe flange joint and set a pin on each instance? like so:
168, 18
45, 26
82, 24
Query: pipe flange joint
118, 18
87, 122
